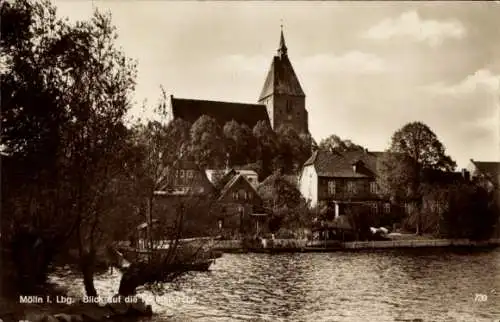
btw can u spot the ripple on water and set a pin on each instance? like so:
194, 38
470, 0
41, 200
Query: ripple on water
364, 286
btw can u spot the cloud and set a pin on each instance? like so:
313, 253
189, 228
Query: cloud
410, 24
482, 80
354, 62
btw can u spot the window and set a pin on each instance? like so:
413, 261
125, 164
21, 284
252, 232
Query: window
235, 195
351, 187
408, 208
387, 208
375, 208
176, 177
373, 187
190, 175
181, 177
332, 187
288, 106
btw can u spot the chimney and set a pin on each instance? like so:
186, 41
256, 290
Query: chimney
355, 166
465, 175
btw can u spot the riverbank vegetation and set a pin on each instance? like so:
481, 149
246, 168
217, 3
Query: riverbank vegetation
417, 172
78, 175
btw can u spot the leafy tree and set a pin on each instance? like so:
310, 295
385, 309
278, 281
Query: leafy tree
294, 149
465, 211
65, 90
267, 146
278, 192
282, 198
421, 144
414, 149
240, 141
207, 143
335, 143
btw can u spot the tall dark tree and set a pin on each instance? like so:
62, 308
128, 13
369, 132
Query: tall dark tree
207, 143
421, 144
239, 142
335, 143
65, 91
294, 149
285, 202
414, 149
267, 146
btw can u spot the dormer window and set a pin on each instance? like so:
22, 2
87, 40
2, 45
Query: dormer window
356, 166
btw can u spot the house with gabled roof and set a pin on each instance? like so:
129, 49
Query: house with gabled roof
281, 101
487, 173
185, 178
339, 179
342, 179
238, 205
216, 175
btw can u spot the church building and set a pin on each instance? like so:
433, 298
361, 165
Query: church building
281, 102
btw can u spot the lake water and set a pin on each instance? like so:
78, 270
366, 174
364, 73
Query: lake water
389, 285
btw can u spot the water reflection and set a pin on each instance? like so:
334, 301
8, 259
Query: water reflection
436, 285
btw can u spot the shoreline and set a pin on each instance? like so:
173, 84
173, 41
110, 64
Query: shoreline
303, 246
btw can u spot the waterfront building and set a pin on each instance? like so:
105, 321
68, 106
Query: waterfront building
238, 206
342, 179
185, 178
234, 204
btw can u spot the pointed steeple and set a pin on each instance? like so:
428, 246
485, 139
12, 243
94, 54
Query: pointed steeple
281, 78
282, 48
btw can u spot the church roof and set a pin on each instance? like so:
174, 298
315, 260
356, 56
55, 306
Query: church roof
281, 78
190, 110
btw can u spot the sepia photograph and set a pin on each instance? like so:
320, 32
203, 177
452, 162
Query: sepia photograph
215, 161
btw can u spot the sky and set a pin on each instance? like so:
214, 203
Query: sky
367, 68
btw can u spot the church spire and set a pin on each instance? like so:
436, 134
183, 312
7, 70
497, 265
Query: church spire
282, 48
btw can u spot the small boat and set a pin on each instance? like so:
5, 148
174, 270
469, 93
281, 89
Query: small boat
189, 254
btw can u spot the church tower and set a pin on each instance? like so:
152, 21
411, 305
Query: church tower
282, 93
